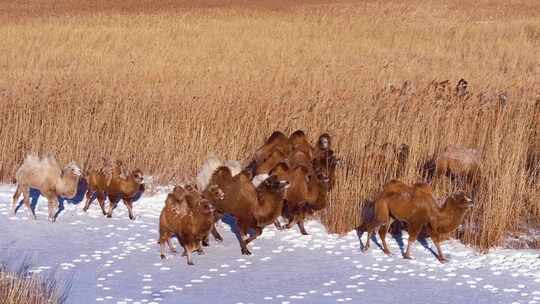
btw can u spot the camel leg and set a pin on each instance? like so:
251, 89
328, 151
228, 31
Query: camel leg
113, 201
382, 234
206, 242
187, 252
164, 237
101, 200
360, 232
242, 231
53, 206
258, 232
162, 249
292, 222
16, 199
302, 228
216, 234
200, 250
171, 246
129, 206
437, 241
26, 200
189, 258
168, 238
413, 236
89, 199
368, 241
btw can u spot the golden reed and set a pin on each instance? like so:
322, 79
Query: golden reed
162, 85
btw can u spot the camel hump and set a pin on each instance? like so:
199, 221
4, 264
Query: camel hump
396, 186
222, 175
275, 136
422, 187
297, 134
462, 154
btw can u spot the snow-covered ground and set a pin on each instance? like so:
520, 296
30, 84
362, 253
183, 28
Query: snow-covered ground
117, 261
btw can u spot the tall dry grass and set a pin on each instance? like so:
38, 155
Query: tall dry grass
22, 286
161, 85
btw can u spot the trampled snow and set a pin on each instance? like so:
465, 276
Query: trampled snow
117, 261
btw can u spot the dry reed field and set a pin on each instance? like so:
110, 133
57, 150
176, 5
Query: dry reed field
22, 286
161, 84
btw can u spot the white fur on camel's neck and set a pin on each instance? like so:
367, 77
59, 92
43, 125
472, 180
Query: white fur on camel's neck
258, 179
210, 166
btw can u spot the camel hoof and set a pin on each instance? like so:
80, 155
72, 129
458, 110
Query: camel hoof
408, 257
443, 260
109, 215
190, 263
246, 252
304, 232
205, 243
219, 239
85, 209
162, 256
387, 252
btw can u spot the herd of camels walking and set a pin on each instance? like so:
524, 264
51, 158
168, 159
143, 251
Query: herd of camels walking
287, 178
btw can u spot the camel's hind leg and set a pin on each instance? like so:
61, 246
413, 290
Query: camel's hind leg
242, 231
89, 199
26, 199
292, 221
368, 240
101, 200
301, 227
164, 237
382, 234
216, 234
381, 218
359, 232
414, 230
113, 202
171, 246
16, 199
188, 250
258, 232
53, 206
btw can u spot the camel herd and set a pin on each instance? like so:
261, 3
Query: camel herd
286, 179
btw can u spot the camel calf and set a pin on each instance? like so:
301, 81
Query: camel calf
188, 216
